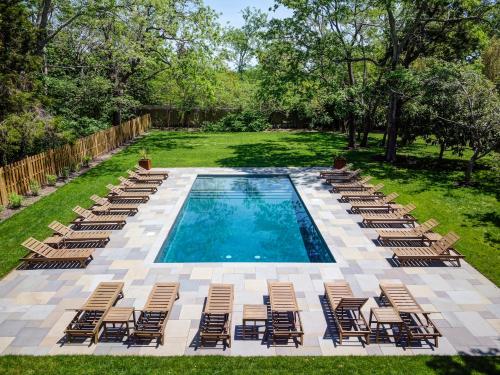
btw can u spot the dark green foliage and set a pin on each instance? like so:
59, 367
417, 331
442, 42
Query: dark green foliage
244, 121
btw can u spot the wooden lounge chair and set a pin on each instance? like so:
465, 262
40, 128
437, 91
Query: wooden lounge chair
134, 176
88, 319
354, 185
86, 217
371, 193
399, 216
416, 322
382, 203
103, 205
70, 236
408, 234
216, 317
286, 322
43, 253
333, 171
439, 250
145, 172
346, 177
116, 194
346, 311
127, 185
154, 316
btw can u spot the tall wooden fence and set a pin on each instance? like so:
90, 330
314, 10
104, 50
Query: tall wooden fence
15, 177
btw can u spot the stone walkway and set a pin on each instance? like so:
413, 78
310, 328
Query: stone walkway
35, 304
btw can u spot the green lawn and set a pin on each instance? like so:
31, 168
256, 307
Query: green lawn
472, 212
11, 365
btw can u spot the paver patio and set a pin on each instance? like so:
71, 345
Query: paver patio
34, 303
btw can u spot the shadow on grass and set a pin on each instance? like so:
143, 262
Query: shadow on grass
481, 363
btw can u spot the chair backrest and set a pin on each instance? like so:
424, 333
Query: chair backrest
100, 200
355, 173
82, 212
376, 188
404, 210
124, 181
427, 226
351, 303
445, 243
220, 299
140, 169
132, 174
113, 189
38, 247
400, 297
389, 198
60, 228
336, 290
162, 297
282, 296
104, 296
365, 180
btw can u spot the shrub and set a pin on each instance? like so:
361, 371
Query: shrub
1, 208
143, 154
35, 187
51, 179
15, 200
65, 173
86, 160
245, 121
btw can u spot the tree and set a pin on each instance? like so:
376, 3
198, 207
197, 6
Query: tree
244, 42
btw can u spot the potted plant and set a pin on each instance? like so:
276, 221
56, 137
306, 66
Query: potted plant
339, 161
144, 160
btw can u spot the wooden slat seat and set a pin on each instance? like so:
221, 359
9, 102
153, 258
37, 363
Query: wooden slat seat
43, 253
88, 319
380, 203
86, 217
216, 317
286, 322
103, 205
399, 216
353, 185
416, 233
371, 193
153, 318
116, 194
346, 311
127, 185
342, 177
151, 172
134, 176
439, 250
70, 236
416, 321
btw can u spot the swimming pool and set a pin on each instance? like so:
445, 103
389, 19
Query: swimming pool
250, 218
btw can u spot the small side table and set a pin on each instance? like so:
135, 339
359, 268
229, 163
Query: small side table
253, 313
121, 316
386, 315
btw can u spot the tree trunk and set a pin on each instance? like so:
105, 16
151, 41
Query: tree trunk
351, 127
470, 167
392, 129
366, 131
442, 148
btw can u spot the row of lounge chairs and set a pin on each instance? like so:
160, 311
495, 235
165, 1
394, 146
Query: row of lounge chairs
381, 211
284, 314
70, 245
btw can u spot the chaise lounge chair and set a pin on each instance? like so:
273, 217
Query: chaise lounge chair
68, 235
354, 185
154, 316
127, 185
145, 172
333, 171
103, 205
399, 216
286, 322
215, 323
145, 178
439, 250
88, 319
416, 322
116, 194
86, 217
43, 253
382, 203
346, 311
343, 177
406, 234
371, 193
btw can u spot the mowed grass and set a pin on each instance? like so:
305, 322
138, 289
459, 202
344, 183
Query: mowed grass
17, 365
472, 212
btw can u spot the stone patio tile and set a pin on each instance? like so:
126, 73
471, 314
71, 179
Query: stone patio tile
475, 323
461, 297
177, 328
190, 312
11, 327
29, 336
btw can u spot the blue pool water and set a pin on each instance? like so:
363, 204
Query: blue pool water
244, 219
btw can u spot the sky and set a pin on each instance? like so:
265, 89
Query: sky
231, 10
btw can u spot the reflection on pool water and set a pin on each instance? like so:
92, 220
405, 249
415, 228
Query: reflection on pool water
251, 218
